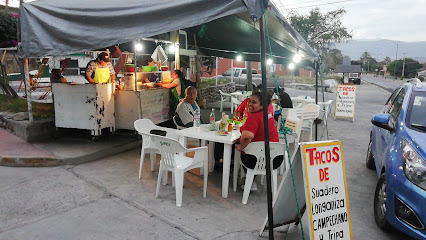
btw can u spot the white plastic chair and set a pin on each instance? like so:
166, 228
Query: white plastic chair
173, 159
234, 104
144, 127
224, 97
257, 149
177, 125
299, 103
310, 113
325, 110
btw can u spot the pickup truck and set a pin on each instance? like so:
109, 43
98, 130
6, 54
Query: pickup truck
240, 78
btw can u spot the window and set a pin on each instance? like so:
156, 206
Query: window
416, 110
253, 71
390, 100
396, 107
353, 75
227, 73
237, 72
244, 71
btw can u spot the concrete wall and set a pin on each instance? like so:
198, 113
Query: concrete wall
18, 124
211, 94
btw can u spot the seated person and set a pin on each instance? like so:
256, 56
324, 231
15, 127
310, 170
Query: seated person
252, 131
285, 101
184, 114
243, 107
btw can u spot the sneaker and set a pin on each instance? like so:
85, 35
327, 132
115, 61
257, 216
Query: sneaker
253, 186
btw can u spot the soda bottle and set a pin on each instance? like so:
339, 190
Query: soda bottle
212, 117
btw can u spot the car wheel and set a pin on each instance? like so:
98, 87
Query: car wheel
380, 204
369, 161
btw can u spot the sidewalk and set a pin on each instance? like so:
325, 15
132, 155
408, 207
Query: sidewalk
66, 150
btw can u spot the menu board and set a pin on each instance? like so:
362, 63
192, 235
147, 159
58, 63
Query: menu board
326, 191
345, 101
156, 104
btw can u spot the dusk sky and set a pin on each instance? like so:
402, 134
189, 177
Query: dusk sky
396, 20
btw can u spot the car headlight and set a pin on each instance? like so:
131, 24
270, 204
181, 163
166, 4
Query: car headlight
414, 166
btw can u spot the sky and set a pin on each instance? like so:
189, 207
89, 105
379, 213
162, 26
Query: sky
397, 20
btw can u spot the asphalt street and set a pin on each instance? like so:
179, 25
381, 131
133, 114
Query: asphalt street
105, 199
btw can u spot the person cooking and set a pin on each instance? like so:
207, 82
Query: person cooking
177, 88
101, 70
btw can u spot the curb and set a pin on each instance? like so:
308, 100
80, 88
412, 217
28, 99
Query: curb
30, 162
375, 84
10, 161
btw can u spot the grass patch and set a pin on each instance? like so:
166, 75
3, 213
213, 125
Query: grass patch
14, 105
208, 82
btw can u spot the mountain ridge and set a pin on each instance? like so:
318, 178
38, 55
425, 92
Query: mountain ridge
380, 48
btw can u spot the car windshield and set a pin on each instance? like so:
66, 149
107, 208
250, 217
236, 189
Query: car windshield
416, 111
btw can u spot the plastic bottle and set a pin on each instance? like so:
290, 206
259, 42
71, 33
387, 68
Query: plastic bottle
230, 127
212, 117
197, 116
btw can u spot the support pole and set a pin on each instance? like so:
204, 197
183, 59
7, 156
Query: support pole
266, 129
28, 90
249, 77
232, 70
316, 96
217, 65
177, 51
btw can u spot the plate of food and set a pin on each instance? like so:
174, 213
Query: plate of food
222, 133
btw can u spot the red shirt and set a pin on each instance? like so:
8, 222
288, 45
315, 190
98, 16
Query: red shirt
244, 105
254, 124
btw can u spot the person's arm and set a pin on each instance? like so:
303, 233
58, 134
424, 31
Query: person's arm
169, 85
89, 72
112, 72
240, 109
245, 139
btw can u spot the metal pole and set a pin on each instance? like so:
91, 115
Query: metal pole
249, 76
217, 65
316, 96
177, 51
266, 129
396, 59
232, 70
403, 65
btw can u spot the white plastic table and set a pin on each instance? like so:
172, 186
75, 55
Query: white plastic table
205, 134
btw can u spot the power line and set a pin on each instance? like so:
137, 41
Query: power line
321, 4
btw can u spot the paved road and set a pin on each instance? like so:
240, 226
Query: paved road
385, 83
106, 200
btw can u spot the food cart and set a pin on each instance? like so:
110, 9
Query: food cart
142, 100
84, 106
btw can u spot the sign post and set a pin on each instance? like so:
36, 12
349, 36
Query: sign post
345, 102
325, 191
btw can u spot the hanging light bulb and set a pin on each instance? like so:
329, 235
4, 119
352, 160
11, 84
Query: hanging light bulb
297, 57
172, 48
138, 46
269, 61
239, 58
291, 66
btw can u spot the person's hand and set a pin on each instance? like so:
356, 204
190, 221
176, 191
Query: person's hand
238, 147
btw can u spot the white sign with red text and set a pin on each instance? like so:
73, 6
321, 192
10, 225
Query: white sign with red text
325, 190
345, 101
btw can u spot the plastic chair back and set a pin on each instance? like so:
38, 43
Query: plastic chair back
257, 149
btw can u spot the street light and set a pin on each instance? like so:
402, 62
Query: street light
396, 57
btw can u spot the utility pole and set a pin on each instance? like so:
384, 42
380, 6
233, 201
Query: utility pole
403, 65
396, 57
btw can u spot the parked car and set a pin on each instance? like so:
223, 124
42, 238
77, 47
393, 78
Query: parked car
397, 150
240, 78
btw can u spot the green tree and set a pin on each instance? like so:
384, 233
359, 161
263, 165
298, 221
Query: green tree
387, 60
332, 58
321, 31
411, 67
8, 29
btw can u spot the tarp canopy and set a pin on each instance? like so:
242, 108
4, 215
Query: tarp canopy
223, 27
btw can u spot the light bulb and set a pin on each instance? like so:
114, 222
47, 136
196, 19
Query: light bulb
291, 66
172, 48
138, 47
269, 61
239, 58
297, 57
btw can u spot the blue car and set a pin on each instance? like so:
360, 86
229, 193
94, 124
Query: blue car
397, 150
